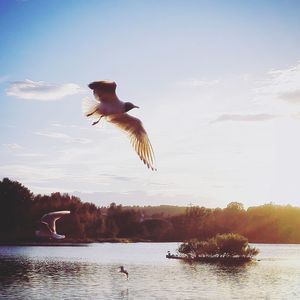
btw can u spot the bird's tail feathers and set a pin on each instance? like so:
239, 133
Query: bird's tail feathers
58, 236
89, 106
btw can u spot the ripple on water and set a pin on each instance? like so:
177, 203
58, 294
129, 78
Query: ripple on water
92, 273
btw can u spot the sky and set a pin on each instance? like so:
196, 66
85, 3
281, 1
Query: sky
217, 83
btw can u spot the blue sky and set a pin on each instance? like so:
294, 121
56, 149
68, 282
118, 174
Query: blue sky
218, 83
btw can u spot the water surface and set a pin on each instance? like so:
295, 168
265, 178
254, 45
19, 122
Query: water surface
91, 272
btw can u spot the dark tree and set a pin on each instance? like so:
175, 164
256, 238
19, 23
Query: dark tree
15, 206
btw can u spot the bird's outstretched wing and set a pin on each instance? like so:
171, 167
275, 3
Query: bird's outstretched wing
51, 218
137, 135
104, 91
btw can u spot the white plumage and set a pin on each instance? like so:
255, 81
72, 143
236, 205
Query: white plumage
47, 225
109, 106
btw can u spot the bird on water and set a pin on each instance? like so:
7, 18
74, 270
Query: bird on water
47, 226
110, 107
122, 270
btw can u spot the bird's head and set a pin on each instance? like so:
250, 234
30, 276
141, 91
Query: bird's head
129, 106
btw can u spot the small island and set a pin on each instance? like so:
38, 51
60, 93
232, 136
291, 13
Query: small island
228, 247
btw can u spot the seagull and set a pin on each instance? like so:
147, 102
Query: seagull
109, 106
122, 270
47, 228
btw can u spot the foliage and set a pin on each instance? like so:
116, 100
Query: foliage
20, 210
15, 205
222, 246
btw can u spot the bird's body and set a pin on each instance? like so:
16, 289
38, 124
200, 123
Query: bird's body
47, 225
122, 270
106, 109
109, 106
108, 102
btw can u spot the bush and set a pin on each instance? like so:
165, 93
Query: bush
222, 246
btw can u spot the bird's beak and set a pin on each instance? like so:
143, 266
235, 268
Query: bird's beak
136, 106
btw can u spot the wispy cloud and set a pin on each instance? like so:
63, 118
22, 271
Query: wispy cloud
40, 90
291, 97
245, 117
31, 154
283, 84
13, 146
193, 82
133, 197
117, 177
59, 125
26, 173
64, 137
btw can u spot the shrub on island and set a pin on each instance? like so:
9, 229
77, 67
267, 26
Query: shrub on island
220, 247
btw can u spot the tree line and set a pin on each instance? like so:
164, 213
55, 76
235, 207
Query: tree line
21, 210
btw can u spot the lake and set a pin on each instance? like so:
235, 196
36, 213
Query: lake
91, 272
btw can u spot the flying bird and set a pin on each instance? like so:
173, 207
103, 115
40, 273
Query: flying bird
122, 270
47, 228
109, 106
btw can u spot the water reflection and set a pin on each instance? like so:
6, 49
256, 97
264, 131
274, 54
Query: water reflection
11, 270
235, 269
124, 294
223, 267
92, 273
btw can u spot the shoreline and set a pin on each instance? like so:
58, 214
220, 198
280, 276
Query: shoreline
86, 242
230, 261
211, 259
72, 243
